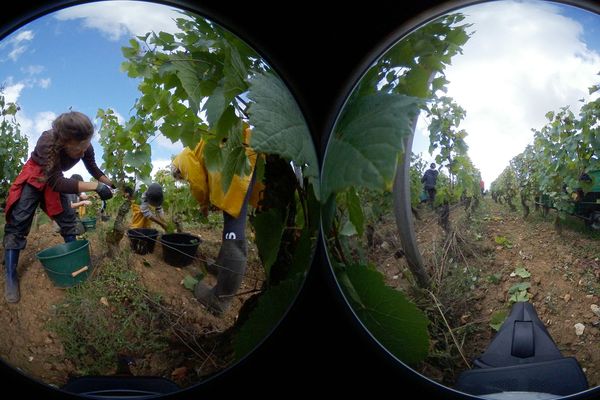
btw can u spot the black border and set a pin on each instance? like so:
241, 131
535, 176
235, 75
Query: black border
320, 49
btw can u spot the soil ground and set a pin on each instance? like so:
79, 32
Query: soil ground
28, 345
564, 278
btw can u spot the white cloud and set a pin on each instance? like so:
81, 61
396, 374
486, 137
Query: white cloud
16, 52
18, 44
163, 142
118, 18
44, 83
158, 165
32, 127
23, 36
13, 91
33, 69
523, 60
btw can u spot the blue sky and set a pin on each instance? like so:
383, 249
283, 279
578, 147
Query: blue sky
71, 58
524, 59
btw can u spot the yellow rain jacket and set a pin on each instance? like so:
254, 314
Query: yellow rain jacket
137, 218
206, 186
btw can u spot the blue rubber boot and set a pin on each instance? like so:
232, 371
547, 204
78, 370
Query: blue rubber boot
11, 288
69, 238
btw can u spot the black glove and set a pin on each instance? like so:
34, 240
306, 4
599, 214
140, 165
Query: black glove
104, 191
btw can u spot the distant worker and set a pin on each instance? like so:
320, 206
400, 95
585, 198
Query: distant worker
150, 210
78, 202
429, 181
482, 187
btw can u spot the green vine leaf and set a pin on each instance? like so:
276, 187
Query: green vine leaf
269, 230
364, 148
272, 305
393, 320
279, 127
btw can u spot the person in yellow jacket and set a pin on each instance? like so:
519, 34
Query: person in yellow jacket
150, 210
206, 188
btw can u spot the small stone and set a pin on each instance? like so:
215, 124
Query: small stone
567, 297
579, 328
30, 358
595, 309
395, 277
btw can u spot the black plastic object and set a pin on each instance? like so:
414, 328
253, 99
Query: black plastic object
120, 387
523, 357
179, 249
142, 240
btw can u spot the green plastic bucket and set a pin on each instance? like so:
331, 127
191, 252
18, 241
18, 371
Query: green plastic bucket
89, 223
67, 264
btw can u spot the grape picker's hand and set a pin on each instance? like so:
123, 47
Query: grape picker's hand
104, 191
86, 202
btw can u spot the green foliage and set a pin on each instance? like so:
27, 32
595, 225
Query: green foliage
393, 320
416, 171
550, 168
498, 319
518, 292
202, 70
269, 230
494, 278
409, 64
521, 272
126, 152
205, 83
190, 282
13, 145
365, 147
178, 203
279, 127
272, 306
449, 141
106, 316
363, 150
503, 241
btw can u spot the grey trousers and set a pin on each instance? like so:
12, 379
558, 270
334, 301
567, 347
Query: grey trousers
235, 228
18, 224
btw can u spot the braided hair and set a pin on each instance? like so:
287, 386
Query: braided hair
69, 126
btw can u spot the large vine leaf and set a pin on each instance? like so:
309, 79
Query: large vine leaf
364, 148
279, 127
386, 313
188, 75
356, 214
269, 230
272, 305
